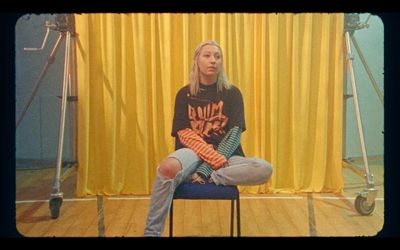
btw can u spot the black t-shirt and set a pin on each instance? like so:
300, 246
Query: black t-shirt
210, 114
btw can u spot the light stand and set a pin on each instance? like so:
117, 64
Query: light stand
64, 24
365, 200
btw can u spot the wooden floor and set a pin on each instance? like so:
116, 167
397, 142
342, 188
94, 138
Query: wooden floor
272, 215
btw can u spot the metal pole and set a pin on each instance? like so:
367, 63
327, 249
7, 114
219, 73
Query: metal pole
73, 94
357, 110
57, 181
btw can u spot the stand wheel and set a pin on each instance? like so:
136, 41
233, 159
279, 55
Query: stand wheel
362, 207
55, 204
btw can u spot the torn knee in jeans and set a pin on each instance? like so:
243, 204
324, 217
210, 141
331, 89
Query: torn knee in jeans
169, 168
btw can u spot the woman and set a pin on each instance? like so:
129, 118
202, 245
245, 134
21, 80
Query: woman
208, 121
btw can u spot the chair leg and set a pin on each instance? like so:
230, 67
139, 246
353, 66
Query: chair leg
238, 216
232, 217
171, 218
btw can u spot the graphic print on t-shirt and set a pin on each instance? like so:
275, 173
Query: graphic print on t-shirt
207, 119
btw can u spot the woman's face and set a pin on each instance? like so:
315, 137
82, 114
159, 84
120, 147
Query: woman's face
209, 62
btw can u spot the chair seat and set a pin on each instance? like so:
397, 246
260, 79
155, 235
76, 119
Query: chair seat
208, 191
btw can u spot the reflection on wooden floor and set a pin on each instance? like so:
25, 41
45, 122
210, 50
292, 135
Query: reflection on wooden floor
270, 215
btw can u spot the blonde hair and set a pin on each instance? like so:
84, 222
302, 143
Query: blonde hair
194, 78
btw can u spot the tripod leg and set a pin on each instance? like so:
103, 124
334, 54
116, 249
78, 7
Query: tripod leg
366, 200
57, 195
73, 105
356, 107
71, 109
50, 60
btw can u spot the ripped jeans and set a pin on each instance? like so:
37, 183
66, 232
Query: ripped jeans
240, 171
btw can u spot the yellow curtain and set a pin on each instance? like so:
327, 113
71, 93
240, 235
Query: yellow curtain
288, 67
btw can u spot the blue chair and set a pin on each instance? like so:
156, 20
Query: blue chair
208, 191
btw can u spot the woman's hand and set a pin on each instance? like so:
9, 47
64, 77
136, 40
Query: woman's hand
197, 178
226, 164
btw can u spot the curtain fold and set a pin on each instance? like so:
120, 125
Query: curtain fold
288, 67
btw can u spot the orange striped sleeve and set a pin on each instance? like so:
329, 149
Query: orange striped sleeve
204, 150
